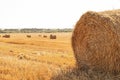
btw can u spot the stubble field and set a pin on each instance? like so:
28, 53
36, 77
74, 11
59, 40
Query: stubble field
35, 57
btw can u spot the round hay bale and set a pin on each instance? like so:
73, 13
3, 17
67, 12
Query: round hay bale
45, 36
28, 36
96, 41
52, 36
6, 36
39, 35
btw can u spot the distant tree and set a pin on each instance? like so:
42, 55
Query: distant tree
34, 30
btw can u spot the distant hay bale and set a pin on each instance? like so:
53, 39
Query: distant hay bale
44, 36
39, 35
28, 36
11, 50
52, 36
96, 41
6, 36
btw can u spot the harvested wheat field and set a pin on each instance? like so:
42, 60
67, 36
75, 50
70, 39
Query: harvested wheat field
34, 58
50, 56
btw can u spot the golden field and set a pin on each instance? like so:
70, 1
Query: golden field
35, 58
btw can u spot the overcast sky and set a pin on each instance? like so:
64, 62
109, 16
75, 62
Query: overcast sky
48, 13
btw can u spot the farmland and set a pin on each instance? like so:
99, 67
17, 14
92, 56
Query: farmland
35, 57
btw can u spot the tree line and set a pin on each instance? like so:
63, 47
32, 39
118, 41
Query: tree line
34, 30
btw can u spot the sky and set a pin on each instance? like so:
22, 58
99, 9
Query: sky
48, 13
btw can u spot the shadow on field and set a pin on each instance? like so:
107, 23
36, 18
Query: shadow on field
76, 74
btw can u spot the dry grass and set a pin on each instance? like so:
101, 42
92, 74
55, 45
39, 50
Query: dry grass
34, 58
76, 74
13, 69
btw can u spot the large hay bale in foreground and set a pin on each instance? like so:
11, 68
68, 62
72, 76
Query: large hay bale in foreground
96, 41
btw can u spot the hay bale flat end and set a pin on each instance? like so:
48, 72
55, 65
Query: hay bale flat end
96, 41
